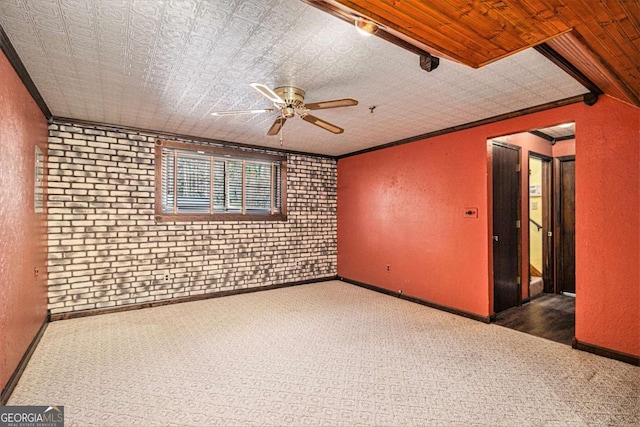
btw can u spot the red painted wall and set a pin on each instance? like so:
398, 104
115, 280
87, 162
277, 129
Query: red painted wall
23, 238
403, 207
564, 148
608, 226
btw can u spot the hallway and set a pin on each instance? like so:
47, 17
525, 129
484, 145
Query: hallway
549, 316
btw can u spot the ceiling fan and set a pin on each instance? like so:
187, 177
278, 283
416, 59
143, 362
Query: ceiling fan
289, 101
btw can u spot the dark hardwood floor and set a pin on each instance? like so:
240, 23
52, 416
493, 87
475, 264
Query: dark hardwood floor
548, 316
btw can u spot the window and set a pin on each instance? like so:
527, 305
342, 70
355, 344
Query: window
195, 182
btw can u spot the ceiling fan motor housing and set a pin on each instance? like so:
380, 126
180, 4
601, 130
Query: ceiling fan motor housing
289, 102
293, 98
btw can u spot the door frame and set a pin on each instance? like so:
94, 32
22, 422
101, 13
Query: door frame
548, 225
518, 202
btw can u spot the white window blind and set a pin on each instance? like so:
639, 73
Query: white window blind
206, 183
193, 184
258, 187
168, 180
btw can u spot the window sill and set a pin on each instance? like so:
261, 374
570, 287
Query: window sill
160, 218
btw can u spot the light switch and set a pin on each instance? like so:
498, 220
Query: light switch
471, 212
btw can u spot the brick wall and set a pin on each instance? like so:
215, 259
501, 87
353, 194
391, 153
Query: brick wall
105, 248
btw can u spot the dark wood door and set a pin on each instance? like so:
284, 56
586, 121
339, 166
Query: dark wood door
547, 227
506, 253
566, 250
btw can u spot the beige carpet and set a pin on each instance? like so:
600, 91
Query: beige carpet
322, 354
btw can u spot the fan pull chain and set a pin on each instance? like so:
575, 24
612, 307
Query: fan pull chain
281, 136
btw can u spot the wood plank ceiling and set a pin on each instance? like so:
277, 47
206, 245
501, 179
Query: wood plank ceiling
600, 38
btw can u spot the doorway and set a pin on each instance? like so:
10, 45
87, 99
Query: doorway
543, 302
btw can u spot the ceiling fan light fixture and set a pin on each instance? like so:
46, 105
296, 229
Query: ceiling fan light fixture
366, 27
288, 112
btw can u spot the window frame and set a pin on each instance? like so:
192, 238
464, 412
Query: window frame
236, 154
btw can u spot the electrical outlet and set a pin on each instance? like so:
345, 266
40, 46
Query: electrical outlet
166, 277
388, 267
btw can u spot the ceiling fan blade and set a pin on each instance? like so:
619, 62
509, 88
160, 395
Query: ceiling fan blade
333, 103
321, 123
238, 112
276, 126
265, 91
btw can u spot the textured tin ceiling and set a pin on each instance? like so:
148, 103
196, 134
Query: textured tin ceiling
561, 131
165, 65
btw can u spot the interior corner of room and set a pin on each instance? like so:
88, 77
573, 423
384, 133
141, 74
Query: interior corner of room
156, 154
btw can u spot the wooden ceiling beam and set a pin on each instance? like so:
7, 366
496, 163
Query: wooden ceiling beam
542, 135
428, 33
427, 60
478, 32
568, 67
473, 32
